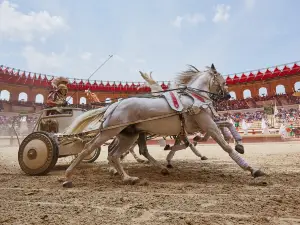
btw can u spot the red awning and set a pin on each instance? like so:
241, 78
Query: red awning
285, 71
258, 76
120, 87
94, 86
250, 77
235, 79
276, 72
228, 80
267, 75
114, 87
101, 87
243, 78
295, 69
164, 86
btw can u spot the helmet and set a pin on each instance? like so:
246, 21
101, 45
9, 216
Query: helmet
62, 86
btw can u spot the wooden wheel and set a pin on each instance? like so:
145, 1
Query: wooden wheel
93, 156
38, 153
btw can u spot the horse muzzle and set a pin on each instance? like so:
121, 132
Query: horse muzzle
227, 96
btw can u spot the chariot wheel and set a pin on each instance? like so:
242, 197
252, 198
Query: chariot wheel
93, 156
38, 153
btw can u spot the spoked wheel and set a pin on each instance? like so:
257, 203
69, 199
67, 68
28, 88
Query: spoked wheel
93, 156
38, 153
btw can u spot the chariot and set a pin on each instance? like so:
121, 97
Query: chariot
40, 150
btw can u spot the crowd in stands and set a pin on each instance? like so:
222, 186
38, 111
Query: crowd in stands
1, 106
232, 105
281, 99
283, 116
7, 123
252, 102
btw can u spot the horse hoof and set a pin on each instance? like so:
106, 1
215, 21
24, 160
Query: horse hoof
113, 172
258, 173
131, 180
67, 184
167, 147
204, 158
239, 149
165, 171
170, 166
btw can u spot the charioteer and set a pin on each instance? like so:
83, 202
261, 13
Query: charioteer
57, 97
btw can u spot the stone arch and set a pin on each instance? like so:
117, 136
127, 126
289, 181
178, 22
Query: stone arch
23, 97
82, 100
5, 95
263, 91
297, 86
280, 89
69, 99
247, 93
39, 98
233, 95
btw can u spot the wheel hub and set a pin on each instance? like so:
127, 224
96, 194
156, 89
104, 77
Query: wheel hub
36, 153
32, 154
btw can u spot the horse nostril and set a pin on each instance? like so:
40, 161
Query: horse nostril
227, 96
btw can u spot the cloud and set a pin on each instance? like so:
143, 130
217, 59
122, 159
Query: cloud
38, 61
177, 22
222, 13
27, 27
43, 40
249, 4
86, 55
140, 61
67, 63
118, 58
194, 19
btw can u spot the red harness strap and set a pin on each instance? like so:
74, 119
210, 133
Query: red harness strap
176, 104
198, 97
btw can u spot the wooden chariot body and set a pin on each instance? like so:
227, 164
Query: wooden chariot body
40, 150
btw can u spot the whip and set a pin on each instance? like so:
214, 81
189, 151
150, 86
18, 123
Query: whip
99, 67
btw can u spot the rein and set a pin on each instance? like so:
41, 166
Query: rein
194, 90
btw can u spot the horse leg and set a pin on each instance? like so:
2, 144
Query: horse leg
215, 133
194, 149
125, 141
172, 153
112, 169
131, 150
144, 151
238, 139
169, 158
89, 147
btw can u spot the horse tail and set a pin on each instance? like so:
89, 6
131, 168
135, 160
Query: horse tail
81, 122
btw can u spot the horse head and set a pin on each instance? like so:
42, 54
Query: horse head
210, 82
218, 84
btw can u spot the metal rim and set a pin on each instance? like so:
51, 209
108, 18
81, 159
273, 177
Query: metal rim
38, 154
93, 156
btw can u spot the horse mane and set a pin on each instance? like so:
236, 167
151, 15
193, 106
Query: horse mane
186, 76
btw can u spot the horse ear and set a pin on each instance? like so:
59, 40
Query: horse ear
150, 74
213, 67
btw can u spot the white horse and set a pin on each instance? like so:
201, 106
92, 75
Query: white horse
225, 126
126, 119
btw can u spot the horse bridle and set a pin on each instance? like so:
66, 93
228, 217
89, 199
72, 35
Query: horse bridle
221, 92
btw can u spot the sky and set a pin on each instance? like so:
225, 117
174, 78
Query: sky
72, 38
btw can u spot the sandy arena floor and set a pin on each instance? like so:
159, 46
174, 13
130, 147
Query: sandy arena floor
215, 191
